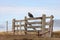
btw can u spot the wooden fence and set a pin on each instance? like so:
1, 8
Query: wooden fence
38, 25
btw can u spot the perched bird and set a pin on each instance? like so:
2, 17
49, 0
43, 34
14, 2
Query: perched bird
30, 15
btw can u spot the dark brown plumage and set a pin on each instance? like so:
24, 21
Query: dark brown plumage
30, 15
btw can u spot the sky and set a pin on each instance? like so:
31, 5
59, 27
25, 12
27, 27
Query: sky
18, 9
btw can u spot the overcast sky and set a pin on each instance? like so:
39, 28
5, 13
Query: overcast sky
18, 9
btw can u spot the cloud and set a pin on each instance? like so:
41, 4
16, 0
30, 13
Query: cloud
41, 10
25, 9
37, 11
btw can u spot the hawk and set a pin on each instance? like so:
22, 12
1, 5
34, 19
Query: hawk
30, 15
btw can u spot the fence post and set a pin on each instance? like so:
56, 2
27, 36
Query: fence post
17, 28
51, 25
20, 31
13, 26
7, 26
43, 24
25, 25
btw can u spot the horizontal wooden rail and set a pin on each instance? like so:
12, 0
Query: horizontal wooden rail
19, 20
34, 31
34, 22
34, 18
46, 28
19, 25
34, 26
47, 23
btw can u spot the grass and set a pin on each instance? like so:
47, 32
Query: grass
54, 34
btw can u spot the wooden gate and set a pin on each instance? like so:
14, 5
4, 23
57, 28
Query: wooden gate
38, 25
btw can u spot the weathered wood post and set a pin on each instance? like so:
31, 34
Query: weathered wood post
17, 29
7, 26
43, 24
20, 31
39, 30
25, 25
51, 25
13, 26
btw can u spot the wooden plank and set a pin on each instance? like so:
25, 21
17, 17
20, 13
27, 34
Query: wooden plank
46, 28
43, 24
13, 26
19, 20
34, 26
7, 26
37, 18
32, 30
19, 25
34, 22
50, 16
47, 23
25, 25
34, 18
51, 25
45, 32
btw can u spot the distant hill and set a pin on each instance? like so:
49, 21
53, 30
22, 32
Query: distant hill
57, 23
